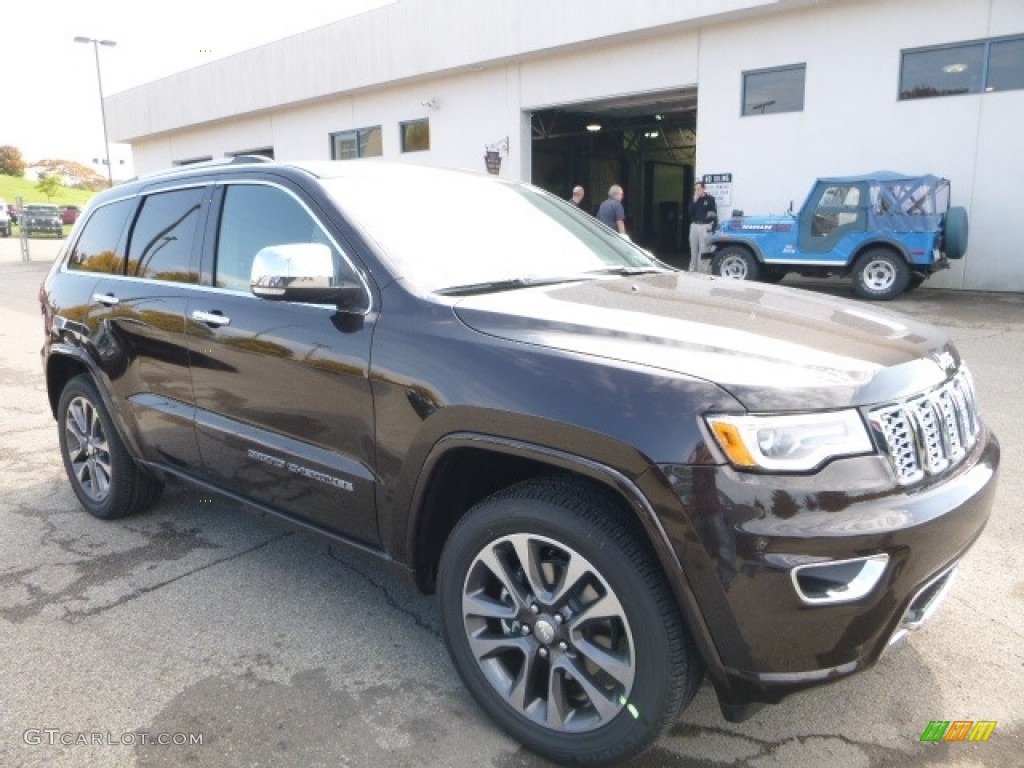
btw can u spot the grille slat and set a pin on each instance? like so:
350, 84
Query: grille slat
931, 432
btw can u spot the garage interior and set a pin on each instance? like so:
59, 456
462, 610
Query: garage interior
645, 142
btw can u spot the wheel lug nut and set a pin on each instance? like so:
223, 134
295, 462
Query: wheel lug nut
534, 608
563, 646
525, 629
558, 618
543, 653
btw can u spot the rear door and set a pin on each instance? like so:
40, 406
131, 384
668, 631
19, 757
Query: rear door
284, 408
137, 316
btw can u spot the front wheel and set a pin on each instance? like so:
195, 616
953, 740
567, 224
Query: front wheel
880, 275
103, 476
561, 626
736, 264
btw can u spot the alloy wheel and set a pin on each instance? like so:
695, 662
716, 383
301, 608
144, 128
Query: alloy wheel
548, 633
88, 449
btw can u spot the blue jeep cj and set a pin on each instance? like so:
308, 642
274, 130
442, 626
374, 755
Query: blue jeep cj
888, 231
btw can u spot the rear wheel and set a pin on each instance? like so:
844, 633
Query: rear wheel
561, 625
880, 275
736, 264
103, 476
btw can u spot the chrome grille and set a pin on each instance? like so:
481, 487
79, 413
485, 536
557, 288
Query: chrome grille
931, 432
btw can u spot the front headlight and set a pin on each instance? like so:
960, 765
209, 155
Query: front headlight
795, 442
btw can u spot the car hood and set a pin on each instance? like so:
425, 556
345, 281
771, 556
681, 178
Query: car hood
772, 348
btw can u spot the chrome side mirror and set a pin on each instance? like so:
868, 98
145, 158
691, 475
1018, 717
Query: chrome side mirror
300, 272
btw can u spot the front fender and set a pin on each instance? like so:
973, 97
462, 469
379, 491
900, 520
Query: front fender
718, 242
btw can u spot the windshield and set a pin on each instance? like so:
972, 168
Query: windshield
41, 210
447, 230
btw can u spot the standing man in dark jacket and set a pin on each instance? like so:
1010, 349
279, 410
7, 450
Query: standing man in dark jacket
611, 213
703, 213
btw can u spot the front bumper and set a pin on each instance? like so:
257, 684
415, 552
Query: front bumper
44, 226
743, 538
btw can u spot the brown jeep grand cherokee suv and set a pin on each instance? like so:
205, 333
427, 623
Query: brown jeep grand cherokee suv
615, 476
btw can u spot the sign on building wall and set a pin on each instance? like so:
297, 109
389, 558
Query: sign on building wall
719, 186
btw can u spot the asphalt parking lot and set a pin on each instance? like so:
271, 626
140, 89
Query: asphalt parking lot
199, 621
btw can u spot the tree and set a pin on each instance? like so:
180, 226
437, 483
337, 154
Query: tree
78, 175
50, 185
11, 161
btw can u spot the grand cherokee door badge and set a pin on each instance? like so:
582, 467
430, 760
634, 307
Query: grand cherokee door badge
298, 469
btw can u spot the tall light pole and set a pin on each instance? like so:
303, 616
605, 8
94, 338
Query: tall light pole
103, 112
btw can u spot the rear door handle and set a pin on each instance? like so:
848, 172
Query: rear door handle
106, 299
210, 318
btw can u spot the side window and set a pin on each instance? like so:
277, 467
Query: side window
257, 216
161, 244
100, 249
838, 206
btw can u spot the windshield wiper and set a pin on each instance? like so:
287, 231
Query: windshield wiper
625, 271
494, 286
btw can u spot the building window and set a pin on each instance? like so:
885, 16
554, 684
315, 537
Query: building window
415, 135
1005, 65
774, 90
973, 67
364, 142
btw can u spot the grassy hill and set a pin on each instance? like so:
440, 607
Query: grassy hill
11, 187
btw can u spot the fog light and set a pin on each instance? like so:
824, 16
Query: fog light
838, 581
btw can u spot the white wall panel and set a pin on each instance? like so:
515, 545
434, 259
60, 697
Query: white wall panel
499, 62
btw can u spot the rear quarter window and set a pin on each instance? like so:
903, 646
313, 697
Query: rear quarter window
100, 248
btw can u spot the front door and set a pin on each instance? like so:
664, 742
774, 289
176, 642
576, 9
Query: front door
832, 213
284, 411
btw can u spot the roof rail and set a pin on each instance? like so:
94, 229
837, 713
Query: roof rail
251, 159
221, 161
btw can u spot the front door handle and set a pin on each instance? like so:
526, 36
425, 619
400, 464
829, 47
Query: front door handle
210, 318
106, 299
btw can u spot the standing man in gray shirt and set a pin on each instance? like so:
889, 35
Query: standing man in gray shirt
611, 213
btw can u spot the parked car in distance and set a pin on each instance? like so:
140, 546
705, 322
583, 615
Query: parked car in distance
69, 214
41, 218
616, 476
887, 231
5, 219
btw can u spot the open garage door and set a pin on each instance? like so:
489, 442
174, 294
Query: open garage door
644, 142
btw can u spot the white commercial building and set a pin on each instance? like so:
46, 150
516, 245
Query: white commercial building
765, 95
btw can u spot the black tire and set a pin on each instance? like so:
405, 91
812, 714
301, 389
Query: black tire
772, 275
880, 275
736, 263
955, 232
517, 630
103, 476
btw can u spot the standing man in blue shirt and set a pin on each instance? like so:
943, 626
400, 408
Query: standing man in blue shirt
703, 213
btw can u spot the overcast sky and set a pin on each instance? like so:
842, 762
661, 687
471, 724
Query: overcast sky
50, 107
